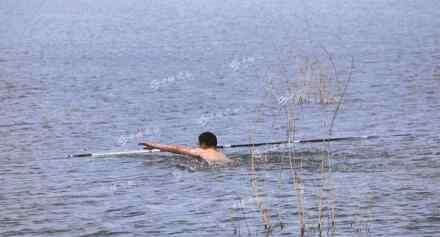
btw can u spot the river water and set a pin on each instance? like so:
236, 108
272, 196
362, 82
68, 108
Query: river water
81, 76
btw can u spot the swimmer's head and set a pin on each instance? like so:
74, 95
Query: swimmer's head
207, 140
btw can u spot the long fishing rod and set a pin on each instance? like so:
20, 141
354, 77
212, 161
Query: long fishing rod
330, 139
115, 153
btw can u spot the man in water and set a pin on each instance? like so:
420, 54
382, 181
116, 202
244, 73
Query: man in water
207, 149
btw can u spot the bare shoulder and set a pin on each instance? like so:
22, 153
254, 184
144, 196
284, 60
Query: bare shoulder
196, 151
212, 156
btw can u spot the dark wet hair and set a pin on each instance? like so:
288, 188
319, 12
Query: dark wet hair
208, 139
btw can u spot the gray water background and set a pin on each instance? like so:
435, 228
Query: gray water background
78, 76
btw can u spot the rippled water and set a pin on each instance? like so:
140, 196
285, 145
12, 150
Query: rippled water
102, 75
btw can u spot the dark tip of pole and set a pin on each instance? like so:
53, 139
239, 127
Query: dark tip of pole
403, 135
81, 155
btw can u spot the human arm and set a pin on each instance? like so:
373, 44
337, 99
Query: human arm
172, 148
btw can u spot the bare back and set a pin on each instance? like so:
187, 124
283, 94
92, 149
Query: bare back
211, 155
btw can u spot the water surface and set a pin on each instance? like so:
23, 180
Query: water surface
101, 75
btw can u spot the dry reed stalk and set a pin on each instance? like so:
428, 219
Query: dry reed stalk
341, 99
338, 106
265, 215
321, 201
279, 189
311, 86
296, 178
300, 193
333, 210
297, 182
